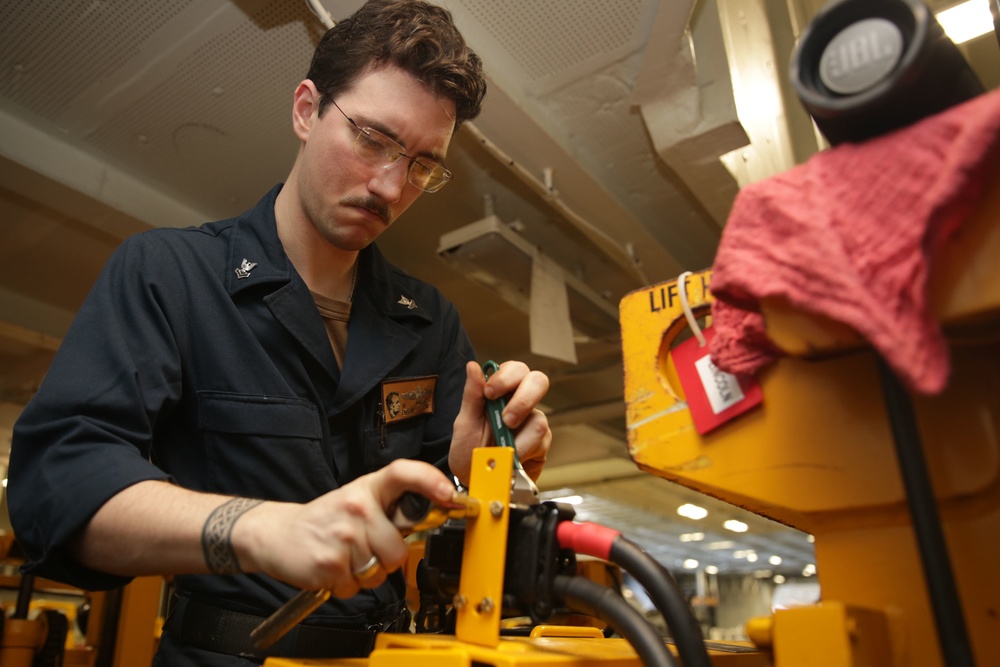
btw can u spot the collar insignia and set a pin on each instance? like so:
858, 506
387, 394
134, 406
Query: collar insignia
409, 303
245, 268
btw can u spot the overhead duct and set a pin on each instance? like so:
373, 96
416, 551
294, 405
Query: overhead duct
711, 96
562, 308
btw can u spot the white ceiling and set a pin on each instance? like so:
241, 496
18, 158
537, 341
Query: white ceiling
599, 144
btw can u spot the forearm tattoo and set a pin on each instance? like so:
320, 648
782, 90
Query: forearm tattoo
216, 535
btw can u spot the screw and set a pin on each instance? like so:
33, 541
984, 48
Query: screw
496, 509
485, 606
459, 601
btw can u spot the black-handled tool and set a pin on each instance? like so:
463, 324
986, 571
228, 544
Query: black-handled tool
413, 513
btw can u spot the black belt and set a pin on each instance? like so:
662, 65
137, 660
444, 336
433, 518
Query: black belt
219, 630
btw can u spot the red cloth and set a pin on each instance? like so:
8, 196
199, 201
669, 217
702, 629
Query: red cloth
850, 235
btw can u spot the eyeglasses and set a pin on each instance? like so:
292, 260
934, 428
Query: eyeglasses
377, 149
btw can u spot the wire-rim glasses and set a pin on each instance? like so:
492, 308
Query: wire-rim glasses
377, 149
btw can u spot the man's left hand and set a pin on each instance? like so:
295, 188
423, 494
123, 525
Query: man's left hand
524, 389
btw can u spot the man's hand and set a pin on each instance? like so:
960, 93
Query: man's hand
323, 543
525, 388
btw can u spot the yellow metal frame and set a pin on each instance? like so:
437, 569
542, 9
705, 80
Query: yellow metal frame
479, 601
818, 455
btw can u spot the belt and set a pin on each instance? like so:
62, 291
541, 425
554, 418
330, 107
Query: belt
211, 628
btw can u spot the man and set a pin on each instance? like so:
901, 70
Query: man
216, 410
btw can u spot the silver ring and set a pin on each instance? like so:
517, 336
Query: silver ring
369, 570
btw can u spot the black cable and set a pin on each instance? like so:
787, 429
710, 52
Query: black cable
592, 598
668, 599
946, 605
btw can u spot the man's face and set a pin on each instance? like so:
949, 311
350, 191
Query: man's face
348, 200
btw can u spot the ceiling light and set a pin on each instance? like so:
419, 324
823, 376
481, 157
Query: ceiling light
692, 511
692, 537
716, 546
711, 569
743, 553
966, 21
751, 557
809, 570
779, 579
774, 560
735, 526
568, 500
690, 564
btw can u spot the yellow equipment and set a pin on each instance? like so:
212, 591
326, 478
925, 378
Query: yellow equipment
819, 456
477, 640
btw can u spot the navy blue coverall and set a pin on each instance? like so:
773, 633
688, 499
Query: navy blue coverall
178, 366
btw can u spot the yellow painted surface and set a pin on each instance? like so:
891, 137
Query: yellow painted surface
21, 639
831, 635
819, 455
484, 551
392, 650
136, 638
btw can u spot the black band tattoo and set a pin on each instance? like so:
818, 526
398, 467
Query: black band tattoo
216, 535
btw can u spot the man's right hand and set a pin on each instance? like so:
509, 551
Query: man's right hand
323, 543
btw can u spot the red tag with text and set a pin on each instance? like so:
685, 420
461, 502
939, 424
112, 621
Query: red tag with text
714, 397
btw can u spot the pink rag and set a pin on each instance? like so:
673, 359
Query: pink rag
850, 235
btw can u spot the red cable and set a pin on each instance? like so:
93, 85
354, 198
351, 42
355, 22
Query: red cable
589, 539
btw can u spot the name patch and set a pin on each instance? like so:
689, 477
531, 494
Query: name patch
404, 398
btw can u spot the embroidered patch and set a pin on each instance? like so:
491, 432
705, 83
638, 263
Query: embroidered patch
403, 398
405, 301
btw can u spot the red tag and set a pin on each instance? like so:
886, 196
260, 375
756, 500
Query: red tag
713, 396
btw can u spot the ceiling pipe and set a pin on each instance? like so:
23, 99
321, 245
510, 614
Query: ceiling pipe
317, 8
623, 256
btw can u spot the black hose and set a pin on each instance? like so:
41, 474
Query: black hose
946, 605
668, 599
592, 598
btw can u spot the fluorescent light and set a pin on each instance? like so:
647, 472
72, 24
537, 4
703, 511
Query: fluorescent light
569, 500
715, 546
692, 511
967, 20
692, 537
735, 526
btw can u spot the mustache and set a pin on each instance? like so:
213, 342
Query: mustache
372, 203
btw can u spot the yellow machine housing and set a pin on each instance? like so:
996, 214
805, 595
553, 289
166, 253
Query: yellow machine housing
818, 455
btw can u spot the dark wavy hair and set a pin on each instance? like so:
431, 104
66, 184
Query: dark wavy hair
413, 35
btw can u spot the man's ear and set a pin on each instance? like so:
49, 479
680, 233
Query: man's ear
305, 109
